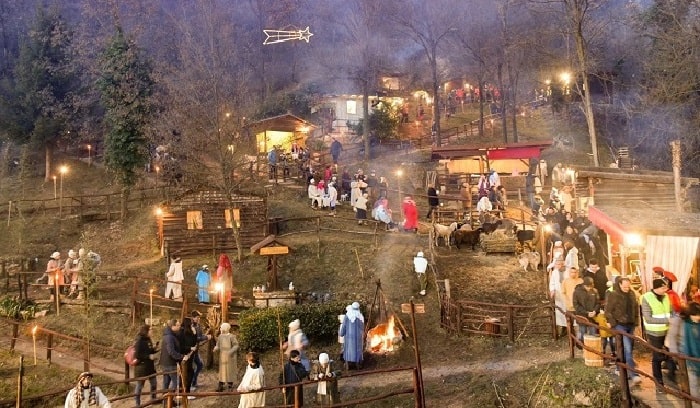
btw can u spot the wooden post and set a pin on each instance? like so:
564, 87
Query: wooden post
318, 237
683, 383
417, 353
86, 355
416, 388
18, 401
126, 370
49, 347
57, 294
676, 157
570, 332
624, 383
376, 237
511, 323
15, 335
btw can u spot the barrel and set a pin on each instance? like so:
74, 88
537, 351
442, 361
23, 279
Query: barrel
491, 325
590, 358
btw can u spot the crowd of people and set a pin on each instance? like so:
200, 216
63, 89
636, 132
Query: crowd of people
67, 274
178, 356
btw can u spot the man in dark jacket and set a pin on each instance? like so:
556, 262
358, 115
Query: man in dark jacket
622, 312
294, 372
170, 354
433, 201
586, 305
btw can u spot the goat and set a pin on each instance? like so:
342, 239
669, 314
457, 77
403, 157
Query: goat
529, 259
489, 227
508, 225
468, 237
445, 232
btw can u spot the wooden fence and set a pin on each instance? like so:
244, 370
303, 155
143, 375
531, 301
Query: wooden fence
90, 207
48, 342
493, 319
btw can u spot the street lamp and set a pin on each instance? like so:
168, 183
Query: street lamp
89, 146
62, 170
157, 172
55, 192
220, 288
399, 173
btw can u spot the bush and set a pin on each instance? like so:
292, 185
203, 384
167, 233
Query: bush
261, 329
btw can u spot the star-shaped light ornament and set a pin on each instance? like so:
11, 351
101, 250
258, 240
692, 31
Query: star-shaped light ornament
278, 36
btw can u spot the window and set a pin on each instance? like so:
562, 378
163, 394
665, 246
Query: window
236, 216
351, 107
194, 220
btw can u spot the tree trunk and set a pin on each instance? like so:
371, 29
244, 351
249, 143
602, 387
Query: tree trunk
48, 158
577, 16
481, 108
365, 119
124, 205
504, 116
436, 98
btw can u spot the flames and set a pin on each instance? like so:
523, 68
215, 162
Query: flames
383, 337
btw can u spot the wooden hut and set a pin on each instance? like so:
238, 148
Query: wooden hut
201, 223
639, 212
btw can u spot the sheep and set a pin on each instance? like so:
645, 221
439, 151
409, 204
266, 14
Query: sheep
508, 225
468, 237
525, 235
445, 232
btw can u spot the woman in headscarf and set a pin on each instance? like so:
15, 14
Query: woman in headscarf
224, 274
327, 387
227, 346
297, 340
85, 394
353, 330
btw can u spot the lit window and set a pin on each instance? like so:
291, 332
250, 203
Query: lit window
351, 107
194, 220
236, 216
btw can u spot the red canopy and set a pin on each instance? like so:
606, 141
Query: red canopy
514, 153
611, 227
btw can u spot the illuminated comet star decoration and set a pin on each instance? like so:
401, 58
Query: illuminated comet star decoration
278, 36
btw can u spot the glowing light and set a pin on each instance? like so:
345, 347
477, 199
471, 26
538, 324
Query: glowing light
565, 77
547, 228
399, 173
278, 36
634, 240
159, 211
63, 170
548, 81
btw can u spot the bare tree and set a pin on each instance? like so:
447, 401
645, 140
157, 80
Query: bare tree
428, 24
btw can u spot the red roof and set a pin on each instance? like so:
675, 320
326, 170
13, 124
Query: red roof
493, 151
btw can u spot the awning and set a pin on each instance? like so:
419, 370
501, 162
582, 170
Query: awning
614, 229
514, 153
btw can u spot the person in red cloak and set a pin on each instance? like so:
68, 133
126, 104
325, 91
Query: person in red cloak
224, 274
672, 295
410, 213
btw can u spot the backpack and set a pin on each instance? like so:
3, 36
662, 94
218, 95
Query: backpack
130, 355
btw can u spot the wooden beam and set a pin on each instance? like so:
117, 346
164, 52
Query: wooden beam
645, 178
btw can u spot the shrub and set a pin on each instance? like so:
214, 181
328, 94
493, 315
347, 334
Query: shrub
261, 329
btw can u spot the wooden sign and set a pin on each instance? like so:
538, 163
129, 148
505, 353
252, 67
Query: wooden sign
417, 307
275, 250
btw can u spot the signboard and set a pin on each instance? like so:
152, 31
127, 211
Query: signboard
276, 250
417, 307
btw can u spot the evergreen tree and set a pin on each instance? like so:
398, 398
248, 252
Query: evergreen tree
37, 101
126, 87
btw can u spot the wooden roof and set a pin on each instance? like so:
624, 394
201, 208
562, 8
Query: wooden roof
192, 197
484, 149
270, 239
617, 220
285, 123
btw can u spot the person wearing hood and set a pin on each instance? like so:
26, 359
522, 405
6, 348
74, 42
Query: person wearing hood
420, 265
314, 194
327, 387
585, 302
353, 330
297, 340
224, 275
85, 394
173, 289
622, 313
656, 313
227, 346
170, 354
203, 280
410, 214
53, 272
332, 197
71, 272
360, 207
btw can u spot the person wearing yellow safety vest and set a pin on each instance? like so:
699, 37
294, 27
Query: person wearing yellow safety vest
656, 313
